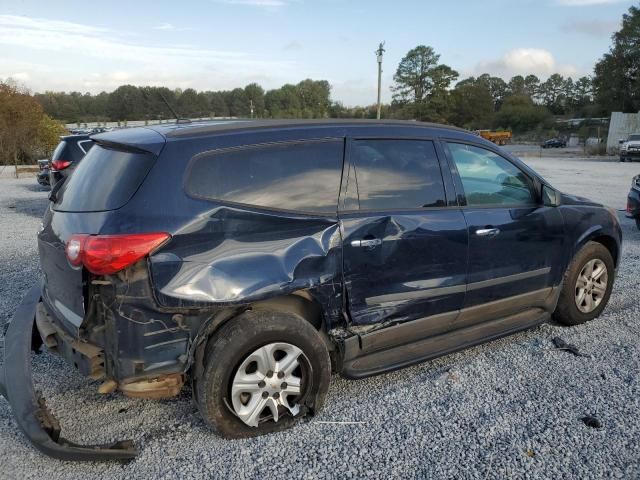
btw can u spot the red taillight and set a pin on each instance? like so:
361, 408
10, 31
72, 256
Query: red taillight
60, 164
108, 254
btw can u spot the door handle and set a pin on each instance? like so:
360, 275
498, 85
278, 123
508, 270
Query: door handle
487, 232
374, 242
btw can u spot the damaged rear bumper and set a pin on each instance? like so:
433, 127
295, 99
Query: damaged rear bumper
29, 409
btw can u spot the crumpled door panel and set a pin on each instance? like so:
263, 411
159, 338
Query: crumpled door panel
231, 255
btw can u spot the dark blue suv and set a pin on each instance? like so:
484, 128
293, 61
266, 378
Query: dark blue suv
253, 259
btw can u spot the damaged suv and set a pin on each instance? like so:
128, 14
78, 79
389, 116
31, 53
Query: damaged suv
253, 259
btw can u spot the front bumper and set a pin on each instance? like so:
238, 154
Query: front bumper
630, 154
28, 406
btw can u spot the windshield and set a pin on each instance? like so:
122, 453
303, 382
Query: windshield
105, 180
634, 138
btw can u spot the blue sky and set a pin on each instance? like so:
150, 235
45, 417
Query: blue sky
221, 44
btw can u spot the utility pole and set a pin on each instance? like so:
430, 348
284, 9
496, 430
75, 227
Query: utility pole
251, 106
379, 53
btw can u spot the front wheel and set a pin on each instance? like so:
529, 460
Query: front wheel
262, 372
586, 286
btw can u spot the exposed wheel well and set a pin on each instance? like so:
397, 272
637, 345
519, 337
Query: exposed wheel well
301, 304
610, 244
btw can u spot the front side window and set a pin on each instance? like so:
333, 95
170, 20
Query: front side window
302, 176
397, 174
489, 179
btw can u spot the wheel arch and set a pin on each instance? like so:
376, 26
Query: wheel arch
300, 303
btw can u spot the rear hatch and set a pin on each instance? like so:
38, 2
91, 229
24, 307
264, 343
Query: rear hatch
104, 182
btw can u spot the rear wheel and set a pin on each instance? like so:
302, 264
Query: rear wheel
262, 372
587, 285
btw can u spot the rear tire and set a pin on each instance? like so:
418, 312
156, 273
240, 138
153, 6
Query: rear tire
587, 285
228, 364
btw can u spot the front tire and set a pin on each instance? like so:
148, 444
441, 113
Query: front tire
263, 371
587, 285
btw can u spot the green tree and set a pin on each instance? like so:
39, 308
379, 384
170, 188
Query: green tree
617, 74
255, 95
421, 85
126, 103
520, 114
516, 86
218, 105
472, 104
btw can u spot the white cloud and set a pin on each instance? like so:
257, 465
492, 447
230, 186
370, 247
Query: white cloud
523, 61
103, 59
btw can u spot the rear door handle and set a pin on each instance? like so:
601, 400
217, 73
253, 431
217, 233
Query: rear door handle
374, 242
487, 232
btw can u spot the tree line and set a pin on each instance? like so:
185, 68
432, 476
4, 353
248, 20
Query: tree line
307, 99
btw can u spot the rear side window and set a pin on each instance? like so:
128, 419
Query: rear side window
397, 174
489, 179
301, 176
105, 180
85, 146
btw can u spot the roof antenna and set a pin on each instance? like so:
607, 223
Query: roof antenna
175, 114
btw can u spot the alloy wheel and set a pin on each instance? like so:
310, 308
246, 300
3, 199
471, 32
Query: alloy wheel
268, 384
591, 285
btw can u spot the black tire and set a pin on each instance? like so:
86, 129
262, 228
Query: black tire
638, 222
567, 311
235, 341
622, 159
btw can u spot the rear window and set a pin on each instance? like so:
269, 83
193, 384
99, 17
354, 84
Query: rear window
301, 176
58, 151
105, 180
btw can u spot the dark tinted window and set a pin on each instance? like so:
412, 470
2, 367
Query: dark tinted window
291, 176
85, 146
397, 174
105, 180
57, 153
489, 179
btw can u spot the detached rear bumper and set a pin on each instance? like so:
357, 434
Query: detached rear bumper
29, 409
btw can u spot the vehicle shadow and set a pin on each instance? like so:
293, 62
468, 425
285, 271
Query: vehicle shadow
36, 187
34, 207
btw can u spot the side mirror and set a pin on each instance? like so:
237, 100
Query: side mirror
550, 197
621, 141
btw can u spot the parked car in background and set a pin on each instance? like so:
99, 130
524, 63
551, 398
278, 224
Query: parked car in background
554, 143
633, 200
250, 259
43, 173
630, 148
67, 155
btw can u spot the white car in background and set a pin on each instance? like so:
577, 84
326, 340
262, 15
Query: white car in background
630, 149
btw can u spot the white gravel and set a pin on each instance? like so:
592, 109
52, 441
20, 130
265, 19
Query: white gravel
507, 409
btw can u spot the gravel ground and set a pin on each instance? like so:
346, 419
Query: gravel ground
508, 409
